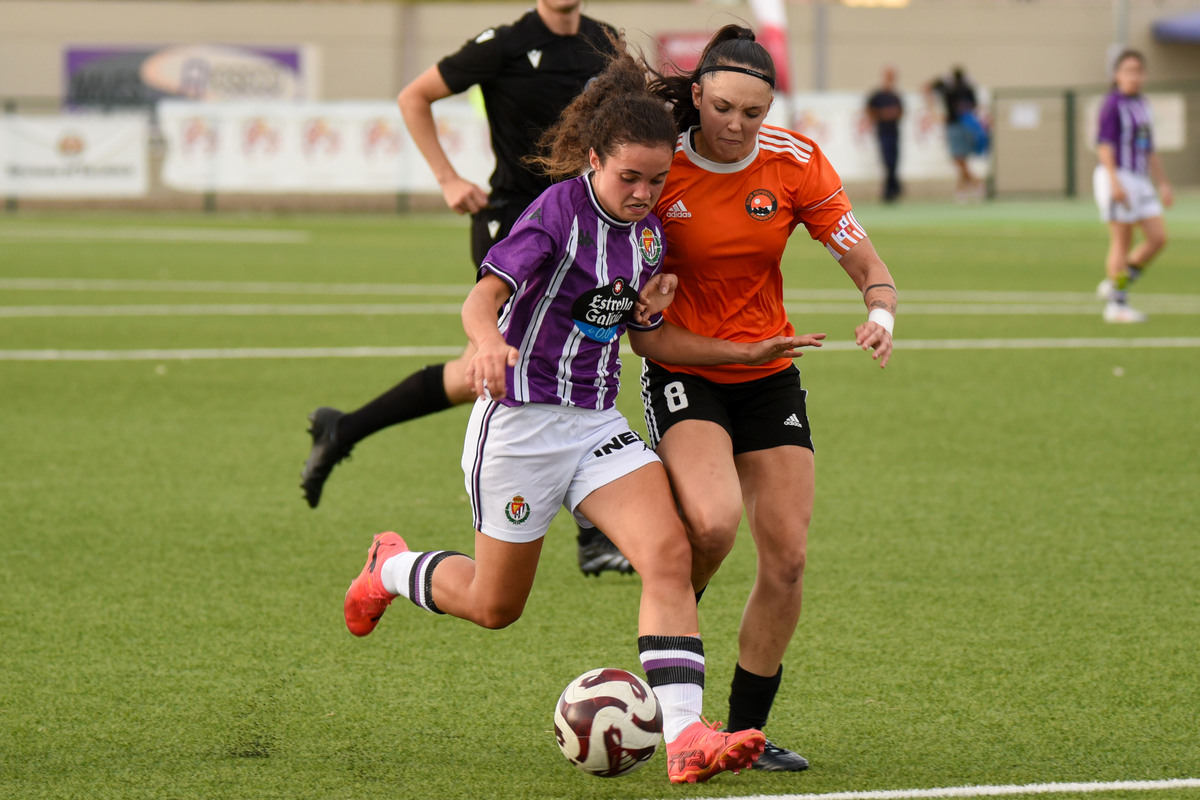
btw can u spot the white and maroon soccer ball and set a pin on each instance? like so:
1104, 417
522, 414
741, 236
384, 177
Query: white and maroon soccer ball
608, 722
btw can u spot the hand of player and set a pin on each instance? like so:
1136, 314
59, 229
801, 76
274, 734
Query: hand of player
781, 347
1118, 193
873, 336
485, 374
463, 196
656, 295
1166, 194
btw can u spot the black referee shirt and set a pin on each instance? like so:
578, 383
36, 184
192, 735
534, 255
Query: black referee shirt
528, 75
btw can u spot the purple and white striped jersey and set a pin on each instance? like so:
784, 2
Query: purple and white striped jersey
1125, 124
575, 271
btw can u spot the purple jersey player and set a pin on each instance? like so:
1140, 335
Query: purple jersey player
1124, 185
544, 432
566, 321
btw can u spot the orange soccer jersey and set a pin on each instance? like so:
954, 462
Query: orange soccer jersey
726, 227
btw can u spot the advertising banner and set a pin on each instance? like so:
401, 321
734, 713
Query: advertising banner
111, 75
837, 121
360, 147
77, 155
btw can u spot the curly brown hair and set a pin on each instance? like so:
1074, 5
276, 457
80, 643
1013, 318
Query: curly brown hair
615, 108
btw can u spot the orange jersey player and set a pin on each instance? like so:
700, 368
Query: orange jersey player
735, 438
727, 238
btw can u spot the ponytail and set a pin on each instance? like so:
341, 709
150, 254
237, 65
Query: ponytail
732, 47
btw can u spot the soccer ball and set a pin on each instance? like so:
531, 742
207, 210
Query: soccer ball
608, 722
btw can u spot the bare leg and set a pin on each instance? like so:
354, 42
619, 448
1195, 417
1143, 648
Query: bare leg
778, 485
1156, 239
1120, 235
637, 514
491, 589
698, 456
454, 378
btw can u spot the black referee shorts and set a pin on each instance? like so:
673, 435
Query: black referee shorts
757, 415
493, 223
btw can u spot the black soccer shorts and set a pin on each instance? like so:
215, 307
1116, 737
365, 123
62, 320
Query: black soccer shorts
491, 224
757, 415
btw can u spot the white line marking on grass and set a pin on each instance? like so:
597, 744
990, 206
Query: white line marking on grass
132, 233
402, 352
405, 309
990, 791
232, 287
460, 290
1034, 344
228, 353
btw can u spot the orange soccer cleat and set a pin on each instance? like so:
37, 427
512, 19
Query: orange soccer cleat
702, 751
366, 599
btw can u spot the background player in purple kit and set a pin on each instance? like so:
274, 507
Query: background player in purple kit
1123, 186
545, 432
528, 72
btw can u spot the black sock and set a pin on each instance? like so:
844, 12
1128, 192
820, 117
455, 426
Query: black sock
750, 698
700, 593
417, 395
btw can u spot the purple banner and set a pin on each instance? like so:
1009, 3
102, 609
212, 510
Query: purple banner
138, 76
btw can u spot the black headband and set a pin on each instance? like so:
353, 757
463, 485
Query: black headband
762, 76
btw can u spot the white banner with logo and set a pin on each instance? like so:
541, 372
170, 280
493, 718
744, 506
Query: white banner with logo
74, 155
837, 121
363, 147
360, 147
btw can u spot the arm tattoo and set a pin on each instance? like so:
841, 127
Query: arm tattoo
888, 304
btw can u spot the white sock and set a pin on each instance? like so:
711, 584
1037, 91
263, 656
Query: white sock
394, 573
681, 706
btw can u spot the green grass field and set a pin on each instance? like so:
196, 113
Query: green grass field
1002, 575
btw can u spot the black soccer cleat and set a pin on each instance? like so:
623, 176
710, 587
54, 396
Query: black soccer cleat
598, 554
325, 454
780, 759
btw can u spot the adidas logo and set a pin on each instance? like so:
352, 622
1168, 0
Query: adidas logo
678, 211
794, 421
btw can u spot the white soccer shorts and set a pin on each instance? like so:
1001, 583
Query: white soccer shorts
522, 462
1143, 199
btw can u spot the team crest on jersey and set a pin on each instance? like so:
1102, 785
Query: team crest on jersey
598, 314
517, 510
761, 205
651, 246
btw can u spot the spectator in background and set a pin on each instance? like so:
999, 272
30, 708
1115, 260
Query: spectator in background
965, 135
884, 109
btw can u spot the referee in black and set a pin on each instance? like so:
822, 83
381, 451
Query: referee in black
528, 72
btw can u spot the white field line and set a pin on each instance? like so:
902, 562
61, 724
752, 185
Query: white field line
229, 353
232, 310
402, 352
133, 233
1010, 790
408, 309
232, 287
460, 290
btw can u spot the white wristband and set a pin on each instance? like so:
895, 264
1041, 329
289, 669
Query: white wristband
883, 318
